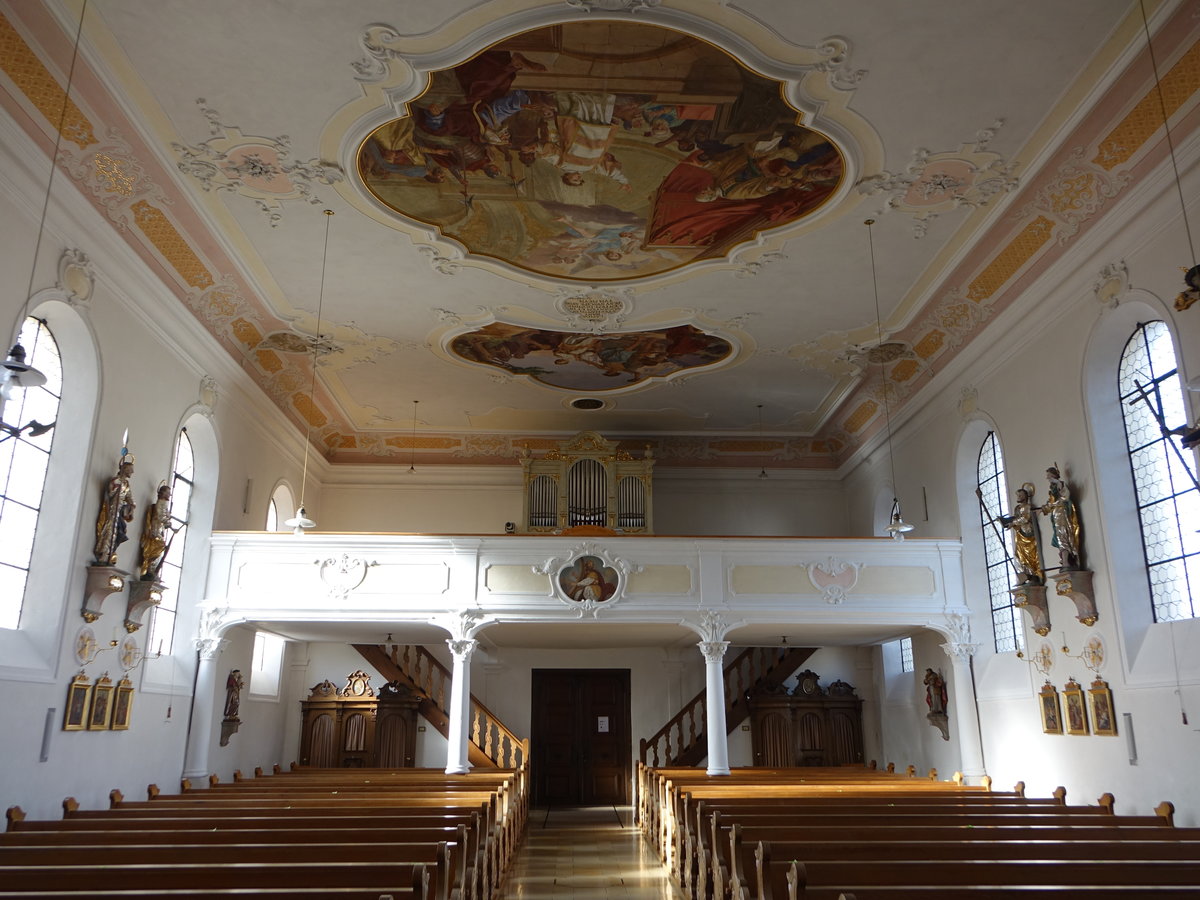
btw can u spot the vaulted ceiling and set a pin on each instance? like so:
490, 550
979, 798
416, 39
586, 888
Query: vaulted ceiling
641, 218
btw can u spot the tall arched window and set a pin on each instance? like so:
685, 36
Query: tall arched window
24, 456
990, 480
1164, 474
281, 506
162, 625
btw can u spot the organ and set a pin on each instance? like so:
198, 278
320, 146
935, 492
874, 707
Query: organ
587, 485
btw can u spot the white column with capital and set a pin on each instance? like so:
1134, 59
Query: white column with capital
714, 697
204, 706
460, 706
970, 747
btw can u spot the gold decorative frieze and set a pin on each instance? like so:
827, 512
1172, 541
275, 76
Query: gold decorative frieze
21, 64
154, 223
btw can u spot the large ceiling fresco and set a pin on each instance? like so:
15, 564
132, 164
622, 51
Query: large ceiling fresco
600, 152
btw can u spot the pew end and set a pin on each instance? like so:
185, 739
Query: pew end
1060, 794
69, 805
152, 791
1166, 812
1107, 802
14, 815
115, 798
1019, 789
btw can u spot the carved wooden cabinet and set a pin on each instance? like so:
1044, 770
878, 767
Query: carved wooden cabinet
808, 726
351, 727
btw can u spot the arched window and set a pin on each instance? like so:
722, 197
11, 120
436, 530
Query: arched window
24, 457
162, 625
1164, 474
281, 507
993, 487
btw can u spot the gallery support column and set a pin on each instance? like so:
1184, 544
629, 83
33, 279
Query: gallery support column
460, 707
714, 697
204, 704
970, 747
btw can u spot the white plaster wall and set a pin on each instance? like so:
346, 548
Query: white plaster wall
1029, 384
151, 358
479, 500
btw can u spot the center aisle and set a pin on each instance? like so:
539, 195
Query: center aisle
593, 853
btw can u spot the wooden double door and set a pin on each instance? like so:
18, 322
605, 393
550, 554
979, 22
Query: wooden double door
582, 751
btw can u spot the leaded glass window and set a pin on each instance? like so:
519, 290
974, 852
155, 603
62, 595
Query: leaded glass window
993, 489
24, 458
1164, 474
162, 626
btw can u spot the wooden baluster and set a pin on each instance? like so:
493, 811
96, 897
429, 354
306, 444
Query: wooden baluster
476, 716
406, 663
440, 677
490, 748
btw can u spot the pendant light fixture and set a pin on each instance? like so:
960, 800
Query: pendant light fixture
412, 450
300, 522
896, 526
15, 372
1191, 279
762, 473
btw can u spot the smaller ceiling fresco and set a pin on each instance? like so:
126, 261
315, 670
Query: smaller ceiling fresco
600, 151
590, 362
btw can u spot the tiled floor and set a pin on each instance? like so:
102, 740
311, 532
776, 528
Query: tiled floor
594, 853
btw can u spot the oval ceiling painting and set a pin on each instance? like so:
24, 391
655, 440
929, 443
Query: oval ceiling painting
590, 362
600, 151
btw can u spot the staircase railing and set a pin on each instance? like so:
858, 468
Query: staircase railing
682, 741
492, 742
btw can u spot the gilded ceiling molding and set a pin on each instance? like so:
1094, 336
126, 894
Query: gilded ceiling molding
936, 182
253, 167
1075, 193
114, 177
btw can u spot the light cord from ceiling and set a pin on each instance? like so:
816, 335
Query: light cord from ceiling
412, 454
301, 520
1162, 106
896, 524
762, 473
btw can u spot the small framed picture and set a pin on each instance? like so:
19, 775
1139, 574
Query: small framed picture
101, 714
123, 705
1051, 711
79, 693
1104, 721
1077, 722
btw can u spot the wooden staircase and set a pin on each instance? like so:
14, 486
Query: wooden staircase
491, 743
681, 742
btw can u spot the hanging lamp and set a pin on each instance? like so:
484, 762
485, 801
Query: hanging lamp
300, 522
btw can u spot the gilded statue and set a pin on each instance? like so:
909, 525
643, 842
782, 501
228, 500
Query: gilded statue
1064, 517
1023, 526
116, 512
156, 534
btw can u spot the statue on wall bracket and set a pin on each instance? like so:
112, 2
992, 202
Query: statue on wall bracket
1026, 558
1071, 580
116, 512
935, 699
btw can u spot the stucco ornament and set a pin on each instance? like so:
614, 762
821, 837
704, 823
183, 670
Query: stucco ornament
959, 646
834, 578
254, 167
344, 574
588, 578
713, 627
612, 5
1112, 284
213, 622
76, 277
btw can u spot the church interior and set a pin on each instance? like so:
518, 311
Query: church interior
587, 383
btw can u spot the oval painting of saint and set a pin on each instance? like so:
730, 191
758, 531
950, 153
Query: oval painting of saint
580, 361
600, 151
588, 580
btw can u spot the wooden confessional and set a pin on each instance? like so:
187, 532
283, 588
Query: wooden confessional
589, 485
809, 726
352, 727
